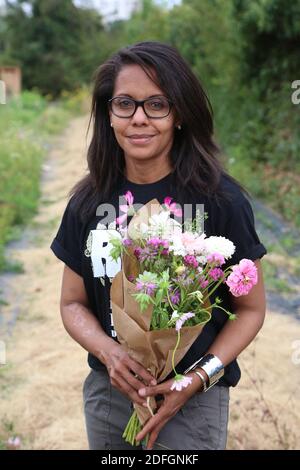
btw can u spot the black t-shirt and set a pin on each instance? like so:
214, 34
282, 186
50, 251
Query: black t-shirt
78, 245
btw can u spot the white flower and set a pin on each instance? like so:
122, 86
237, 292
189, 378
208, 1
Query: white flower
177, 246
201, 260
220, 245
161, 225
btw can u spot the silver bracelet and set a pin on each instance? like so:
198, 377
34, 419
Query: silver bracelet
213, 367
202, 379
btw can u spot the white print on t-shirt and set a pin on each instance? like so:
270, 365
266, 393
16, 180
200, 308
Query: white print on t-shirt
98, 248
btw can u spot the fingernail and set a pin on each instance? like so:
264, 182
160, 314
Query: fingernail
142, 391
153, 382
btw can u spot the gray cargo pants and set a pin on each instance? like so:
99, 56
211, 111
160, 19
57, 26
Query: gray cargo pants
200, 424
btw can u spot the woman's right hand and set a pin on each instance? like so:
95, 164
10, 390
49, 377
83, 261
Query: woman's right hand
126, 374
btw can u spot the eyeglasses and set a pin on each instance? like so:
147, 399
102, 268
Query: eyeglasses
155, 108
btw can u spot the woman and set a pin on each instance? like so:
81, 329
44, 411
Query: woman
152, 135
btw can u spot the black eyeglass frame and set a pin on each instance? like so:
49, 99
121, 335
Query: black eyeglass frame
138, 103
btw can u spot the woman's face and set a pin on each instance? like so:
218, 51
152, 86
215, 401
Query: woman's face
140, 137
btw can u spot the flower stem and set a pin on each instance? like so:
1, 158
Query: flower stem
174, 351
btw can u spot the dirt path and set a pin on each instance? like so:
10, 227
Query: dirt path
41, 384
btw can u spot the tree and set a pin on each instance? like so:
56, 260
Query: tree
57, 44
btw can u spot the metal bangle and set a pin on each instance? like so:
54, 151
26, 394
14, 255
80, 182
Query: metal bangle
202, 379
213, 367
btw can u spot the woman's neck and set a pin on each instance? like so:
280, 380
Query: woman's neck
146, 173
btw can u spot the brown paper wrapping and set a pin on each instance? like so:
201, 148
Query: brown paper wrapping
152, 349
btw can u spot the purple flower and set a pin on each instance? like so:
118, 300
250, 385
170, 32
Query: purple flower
175, 297
156, 244
155, 241
183, 280
182, 318
190, 260
137, 252
127, 242
146, 287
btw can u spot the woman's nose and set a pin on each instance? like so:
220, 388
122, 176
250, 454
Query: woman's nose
139, 115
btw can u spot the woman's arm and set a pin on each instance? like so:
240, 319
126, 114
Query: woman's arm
85, 329
237, 334
230, 342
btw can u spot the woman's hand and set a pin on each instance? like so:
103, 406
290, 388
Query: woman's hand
127, 375
173, 401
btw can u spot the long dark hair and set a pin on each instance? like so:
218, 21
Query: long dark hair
194, 154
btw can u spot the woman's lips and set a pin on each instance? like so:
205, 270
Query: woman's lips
140, 139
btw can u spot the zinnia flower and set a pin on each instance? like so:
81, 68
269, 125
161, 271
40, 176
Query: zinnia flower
242, 278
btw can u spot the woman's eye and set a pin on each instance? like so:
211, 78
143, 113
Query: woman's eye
124, 103
156, 104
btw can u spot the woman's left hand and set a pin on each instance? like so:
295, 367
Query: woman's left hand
173, 401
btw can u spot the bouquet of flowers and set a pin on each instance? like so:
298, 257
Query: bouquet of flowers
161, 297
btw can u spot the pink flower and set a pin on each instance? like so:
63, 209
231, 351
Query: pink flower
242, 278
192, 243
203, 282
13, 443
129, 198
215, 273
216, 258
190, 260
180, 382
127, 209
172, 207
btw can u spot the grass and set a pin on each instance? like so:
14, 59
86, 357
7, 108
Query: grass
27, 125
